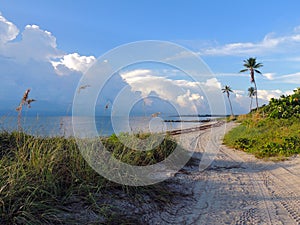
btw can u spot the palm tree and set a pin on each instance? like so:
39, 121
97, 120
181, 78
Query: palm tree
252, 66
251, 93
227, 90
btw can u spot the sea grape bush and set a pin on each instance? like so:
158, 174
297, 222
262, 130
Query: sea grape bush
284, 107
274, 131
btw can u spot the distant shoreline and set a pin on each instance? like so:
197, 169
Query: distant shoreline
199, 115
187, 121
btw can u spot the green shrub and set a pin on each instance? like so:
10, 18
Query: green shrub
266, 137
244, 143
284, 107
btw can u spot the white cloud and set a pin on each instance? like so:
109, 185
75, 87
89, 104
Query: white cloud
184, 93
293, 78
239, 93
270, 43
268, 94
73, 62
8, 31
264, 95
213, 83
39, 45
241, 101
185, 99
36, 44
189, 96
135, 74
179, 56
269, 76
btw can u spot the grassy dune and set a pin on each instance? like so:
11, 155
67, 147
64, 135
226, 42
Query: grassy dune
39, 177
266, 138
272, 132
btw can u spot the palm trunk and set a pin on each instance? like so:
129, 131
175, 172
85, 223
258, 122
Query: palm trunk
230, 106
256, 94
251, 103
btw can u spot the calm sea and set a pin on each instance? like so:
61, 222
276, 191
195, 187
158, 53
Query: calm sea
62, 125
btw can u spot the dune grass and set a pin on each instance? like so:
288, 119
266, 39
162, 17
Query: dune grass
126, 154
39, 176
266, 137
271, 132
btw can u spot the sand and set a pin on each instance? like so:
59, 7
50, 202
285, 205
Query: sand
236, 188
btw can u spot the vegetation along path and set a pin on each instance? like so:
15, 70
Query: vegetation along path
236, 188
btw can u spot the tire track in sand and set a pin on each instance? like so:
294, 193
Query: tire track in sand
235, 189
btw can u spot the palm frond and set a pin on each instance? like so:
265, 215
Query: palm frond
227, 89
257, 71
244, 70
258, 65
251, 91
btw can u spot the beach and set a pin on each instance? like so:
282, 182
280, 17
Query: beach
236, 188
218, 185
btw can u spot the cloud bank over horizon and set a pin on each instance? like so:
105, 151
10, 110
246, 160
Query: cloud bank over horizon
31, 58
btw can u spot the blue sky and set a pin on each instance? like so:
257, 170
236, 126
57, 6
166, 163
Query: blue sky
48, 45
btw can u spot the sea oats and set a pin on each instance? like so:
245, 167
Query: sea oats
24, 101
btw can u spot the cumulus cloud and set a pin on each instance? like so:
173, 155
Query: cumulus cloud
241, 101
73, 62
239, 97
8, 31
268, 94
270, 43
39, 45
213, 83
26, 56
36, 44
146, 82
186, 94
183, 100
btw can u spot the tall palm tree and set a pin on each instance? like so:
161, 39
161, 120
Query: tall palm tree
251, 93
227, 90
252, 66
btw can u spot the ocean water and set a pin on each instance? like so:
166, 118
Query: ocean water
105, 125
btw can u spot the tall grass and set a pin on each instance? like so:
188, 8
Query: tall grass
130, 153
39, 175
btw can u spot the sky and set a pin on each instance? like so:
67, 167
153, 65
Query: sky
48, 46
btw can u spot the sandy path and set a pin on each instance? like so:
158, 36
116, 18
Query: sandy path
235, 189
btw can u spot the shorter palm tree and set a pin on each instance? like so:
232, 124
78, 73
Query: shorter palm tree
251, 94
227, 90
252, 66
